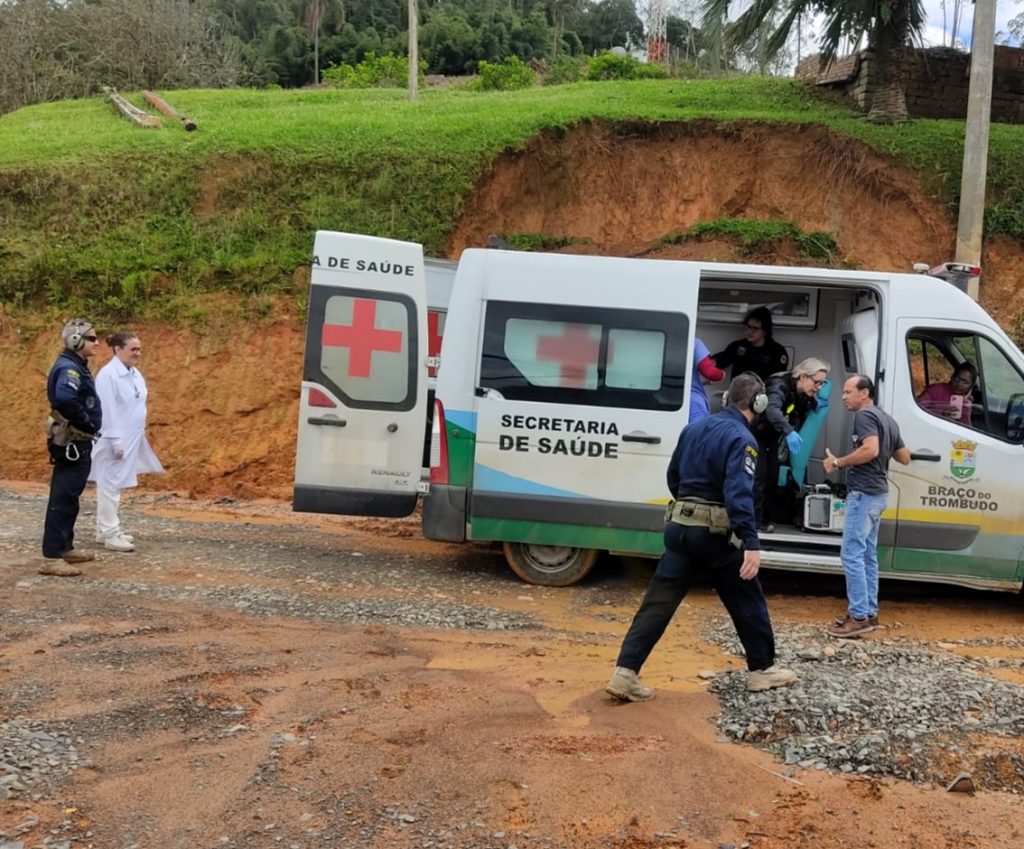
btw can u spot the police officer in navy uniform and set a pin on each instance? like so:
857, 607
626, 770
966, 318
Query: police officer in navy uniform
75, 406
711, 528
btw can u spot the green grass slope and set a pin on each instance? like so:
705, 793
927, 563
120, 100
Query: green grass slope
97, 212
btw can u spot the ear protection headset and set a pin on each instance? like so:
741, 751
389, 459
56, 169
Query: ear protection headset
758, 401
78, 328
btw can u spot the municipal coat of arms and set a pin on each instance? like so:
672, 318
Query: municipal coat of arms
961, 459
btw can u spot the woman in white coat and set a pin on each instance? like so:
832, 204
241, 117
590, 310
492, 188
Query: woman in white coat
122, 452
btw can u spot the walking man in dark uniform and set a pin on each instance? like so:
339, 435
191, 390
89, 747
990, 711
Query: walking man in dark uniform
76, 415
711, 528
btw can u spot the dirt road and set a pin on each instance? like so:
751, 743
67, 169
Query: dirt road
253, 678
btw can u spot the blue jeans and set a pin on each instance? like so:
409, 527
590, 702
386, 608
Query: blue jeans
860, 552
689, 551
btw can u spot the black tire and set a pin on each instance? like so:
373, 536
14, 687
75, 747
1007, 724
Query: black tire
549, 565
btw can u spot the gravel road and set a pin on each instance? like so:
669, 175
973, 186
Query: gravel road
890, 706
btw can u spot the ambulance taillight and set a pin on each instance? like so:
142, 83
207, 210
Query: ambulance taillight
438, 447
319, 399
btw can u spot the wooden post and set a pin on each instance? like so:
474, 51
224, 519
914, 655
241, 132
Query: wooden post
414, 52
133, 113
163, 106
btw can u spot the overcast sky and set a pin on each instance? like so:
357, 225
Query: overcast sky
933, 35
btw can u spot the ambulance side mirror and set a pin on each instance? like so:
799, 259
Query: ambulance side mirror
1015, 418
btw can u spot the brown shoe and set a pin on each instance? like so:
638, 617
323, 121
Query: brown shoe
840, 620
77, 556
58, 568
851, 628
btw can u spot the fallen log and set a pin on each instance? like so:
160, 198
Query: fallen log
163, 106
133, 113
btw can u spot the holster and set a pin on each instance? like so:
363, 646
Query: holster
697, 513
60, 431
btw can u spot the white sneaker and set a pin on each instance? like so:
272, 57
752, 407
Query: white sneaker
759, 680
626, 685
118, 543
129, 537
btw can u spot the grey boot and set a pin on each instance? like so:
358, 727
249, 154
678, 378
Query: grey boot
626, 685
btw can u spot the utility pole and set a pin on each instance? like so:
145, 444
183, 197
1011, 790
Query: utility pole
414, 52
971, 219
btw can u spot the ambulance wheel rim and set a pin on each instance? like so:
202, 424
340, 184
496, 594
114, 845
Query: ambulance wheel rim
550, 557
549, 565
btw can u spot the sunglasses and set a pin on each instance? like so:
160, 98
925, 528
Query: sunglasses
90, 338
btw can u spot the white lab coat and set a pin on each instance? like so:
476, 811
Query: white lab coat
122, 391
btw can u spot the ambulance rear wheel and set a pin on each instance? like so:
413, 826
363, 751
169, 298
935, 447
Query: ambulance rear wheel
549, 565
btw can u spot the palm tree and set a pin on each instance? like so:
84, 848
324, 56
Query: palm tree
316, 11
888, 24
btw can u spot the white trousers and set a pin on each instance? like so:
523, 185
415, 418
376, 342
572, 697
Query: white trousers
107, 502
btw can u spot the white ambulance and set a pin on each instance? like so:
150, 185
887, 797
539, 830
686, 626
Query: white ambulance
564, 380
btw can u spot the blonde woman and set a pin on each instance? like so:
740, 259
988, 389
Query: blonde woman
122, 452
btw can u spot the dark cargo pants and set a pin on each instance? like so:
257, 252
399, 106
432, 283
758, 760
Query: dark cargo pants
689, 551
66, 485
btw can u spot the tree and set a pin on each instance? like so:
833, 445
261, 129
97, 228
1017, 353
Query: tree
316, 12
610, 23
888, 24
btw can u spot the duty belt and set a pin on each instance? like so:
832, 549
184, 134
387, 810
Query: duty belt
697, 513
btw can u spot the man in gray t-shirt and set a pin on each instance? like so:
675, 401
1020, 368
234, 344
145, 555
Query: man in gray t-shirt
876, 440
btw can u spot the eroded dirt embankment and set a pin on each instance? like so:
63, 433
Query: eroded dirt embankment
224, 401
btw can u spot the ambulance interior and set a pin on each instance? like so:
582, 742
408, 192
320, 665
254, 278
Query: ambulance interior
838, 325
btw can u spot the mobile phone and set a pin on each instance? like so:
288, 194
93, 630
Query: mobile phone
957, 401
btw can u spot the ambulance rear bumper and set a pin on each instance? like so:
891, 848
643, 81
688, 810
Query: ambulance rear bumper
444, 513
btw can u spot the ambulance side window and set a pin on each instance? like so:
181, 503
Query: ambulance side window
585, 355
995, 399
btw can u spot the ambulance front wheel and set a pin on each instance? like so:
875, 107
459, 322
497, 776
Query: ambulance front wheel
549, 565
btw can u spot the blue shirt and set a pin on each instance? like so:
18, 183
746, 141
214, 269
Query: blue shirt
715, 460
72, 393
699, 404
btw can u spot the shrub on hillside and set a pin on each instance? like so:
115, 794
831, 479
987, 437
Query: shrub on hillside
387, 71
609, 66
509, 74
568, 69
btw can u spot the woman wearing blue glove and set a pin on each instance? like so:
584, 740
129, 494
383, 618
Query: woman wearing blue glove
792, 396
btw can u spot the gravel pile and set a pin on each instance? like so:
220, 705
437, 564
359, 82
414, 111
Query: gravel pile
872, 706
34, 757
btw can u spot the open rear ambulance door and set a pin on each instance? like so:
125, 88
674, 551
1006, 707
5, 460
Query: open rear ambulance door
363, 406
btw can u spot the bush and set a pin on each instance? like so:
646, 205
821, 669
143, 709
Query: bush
512, 73
609, 66
387, 71
568, 69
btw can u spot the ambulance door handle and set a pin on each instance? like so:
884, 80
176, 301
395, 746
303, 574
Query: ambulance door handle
641, 437
324, 420
392, 427
929, 456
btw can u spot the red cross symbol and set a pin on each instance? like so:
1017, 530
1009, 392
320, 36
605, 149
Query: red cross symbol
575, 352
434, 336
361, 337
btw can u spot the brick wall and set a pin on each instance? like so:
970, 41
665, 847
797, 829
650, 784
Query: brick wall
936, 80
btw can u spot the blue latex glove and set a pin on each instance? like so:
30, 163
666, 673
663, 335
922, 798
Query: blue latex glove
794, 443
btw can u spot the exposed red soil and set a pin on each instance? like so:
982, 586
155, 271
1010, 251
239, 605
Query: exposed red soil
224, 401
